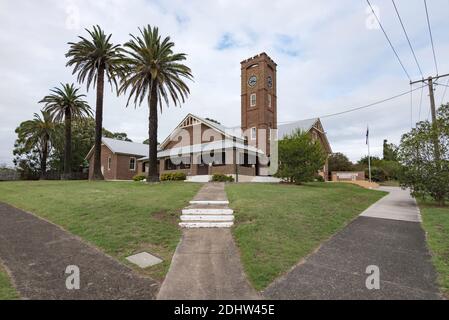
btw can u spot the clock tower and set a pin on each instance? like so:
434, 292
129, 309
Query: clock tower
258, 100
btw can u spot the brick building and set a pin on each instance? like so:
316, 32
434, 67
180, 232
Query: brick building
118, 158
202, 147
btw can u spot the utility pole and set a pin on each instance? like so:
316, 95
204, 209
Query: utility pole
430, 83
432, 100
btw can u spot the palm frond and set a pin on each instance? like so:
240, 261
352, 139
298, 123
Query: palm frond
88, 56
151, 61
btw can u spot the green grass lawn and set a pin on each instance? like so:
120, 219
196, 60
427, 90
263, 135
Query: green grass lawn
121, 218
436, 224
278, 225
7, 292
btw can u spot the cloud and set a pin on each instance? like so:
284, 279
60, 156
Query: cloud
328, 60
287, 44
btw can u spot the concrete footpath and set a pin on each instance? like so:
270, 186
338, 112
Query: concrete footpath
387, 235
37, 254
206, 264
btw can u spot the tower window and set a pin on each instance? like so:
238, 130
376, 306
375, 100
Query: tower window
252, 100
253, 133
269, 100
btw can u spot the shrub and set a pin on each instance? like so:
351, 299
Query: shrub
319, 178
179, 176
377, 174
222, 178
174, 176
300, 158
139, 177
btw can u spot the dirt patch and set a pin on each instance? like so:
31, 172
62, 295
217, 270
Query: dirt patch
164, 215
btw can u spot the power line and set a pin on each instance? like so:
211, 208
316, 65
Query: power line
444, 92
431, 37
388, 39
444, 85
361, 107
408, 39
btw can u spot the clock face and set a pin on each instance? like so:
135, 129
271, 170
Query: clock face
269, 82
252, 81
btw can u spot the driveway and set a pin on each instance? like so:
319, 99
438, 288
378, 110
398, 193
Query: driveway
37, 254
387, 235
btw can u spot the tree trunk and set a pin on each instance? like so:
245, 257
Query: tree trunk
68, 145
44, 159
97, 174
153, 175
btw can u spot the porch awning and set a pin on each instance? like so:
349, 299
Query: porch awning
204, 147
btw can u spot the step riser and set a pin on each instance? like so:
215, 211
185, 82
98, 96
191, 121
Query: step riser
209, 218
208, 211
206, 202
191, 225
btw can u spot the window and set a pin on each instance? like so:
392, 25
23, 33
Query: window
253, 133
269, 101
109, 163
252, 100
178, 164
219, 158
132, 164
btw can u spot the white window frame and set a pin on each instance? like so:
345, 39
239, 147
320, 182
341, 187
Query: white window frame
269, 101
109, 162
253, 133
135, 164
253, 102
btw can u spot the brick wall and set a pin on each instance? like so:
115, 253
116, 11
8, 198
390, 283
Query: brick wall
119, 169
348, 176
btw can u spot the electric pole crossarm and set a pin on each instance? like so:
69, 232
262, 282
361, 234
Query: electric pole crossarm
433, 78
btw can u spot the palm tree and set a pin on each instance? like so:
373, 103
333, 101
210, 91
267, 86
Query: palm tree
39, 133
66, 103
92, 58
154, 72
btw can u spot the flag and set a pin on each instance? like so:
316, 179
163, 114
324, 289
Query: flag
367, 134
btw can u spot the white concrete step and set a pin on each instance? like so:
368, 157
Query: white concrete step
203, 179
209, 202
208, 211
207, 217
203, 224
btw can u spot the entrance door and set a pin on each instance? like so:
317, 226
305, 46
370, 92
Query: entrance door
203, 169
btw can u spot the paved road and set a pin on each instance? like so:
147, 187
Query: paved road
386, 235
38, 252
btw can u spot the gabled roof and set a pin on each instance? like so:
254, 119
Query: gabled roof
289, 128
123, 147
305, 126
192, 119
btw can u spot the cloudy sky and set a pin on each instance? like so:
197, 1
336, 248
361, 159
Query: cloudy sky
331, 57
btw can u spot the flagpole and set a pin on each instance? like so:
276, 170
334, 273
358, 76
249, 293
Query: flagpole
369, 154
